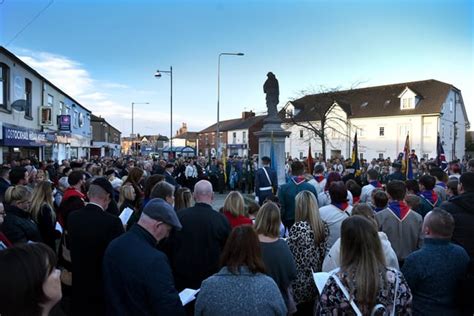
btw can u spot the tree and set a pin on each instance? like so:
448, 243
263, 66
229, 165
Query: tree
320, 113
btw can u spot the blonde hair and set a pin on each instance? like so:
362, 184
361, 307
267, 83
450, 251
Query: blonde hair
126, 193
17, 193
234, 203
363, 260
268, 220
306, 209
42, 195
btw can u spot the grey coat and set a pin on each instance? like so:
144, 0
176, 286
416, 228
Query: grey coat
244, 293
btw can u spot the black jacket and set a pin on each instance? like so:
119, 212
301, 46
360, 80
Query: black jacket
462, 209
195, 250
19, 227
90, 230
4, 185
47, 227
138, 278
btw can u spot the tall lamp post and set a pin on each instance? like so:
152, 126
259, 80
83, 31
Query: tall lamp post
218, 144
133, 113
158, 75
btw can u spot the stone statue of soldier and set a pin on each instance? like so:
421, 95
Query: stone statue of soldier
270, 87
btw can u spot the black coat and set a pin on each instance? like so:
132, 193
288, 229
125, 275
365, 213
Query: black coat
195, 250
19, 227
4, 185
91, 229
138, 278
462, 209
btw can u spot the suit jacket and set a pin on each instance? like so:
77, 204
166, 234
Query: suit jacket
91, 229
195, 250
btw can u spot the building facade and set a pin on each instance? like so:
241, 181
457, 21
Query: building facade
382, 116
105, 138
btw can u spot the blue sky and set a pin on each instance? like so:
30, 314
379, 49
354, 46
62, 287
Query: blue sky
104, 53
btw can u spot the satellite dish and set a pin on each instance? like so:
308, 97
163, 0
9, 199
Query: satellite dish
19, 105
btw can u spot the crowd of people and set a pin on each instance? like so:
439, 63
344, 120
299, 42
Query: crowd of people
125, 236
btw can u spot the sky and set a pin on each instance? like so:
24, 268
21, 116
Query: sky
105, 53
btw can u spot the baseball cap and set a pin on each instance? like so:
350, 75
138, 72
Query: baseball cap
105, 185
160, 210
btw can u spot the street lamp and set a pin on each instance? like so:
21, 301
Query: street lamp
158, 75
218, 97
133, 111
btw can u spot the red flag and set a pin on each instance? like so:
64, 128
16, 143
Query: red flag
310, 161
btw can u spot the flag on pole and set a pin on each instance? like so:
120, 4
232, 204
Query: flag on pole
440, 157
407, 168
355, 155
272, 155
310, 160
224, 162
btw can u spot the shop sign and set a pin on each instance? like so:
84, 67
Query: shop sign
20, 136
64, 123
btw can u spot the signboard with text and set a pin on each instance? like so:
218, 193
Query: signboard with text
64, 123
21, 136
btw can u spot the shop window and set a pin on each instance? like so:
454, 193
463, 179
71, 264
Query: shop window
4, 85
61, 107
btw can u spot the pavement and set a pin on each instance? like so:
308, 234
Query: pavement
219, 200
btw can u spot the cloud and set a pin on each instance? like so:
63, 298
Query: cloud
105, 98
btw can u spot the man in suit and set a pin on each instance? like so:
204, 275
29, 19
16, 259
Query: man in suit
195, 250
4, 181
266, 181
169, 169
91, 229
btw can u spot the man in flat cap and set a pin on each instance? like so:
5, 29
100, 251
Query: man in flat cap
137, 276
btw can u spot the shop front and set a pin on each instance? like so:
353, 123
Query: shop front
20, 142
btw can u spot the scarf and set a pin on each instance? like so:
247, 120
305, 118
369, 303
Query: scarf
375, 184
341, 206
298, 179
378, 209
319, 178
441, 184
399, 208
430, 196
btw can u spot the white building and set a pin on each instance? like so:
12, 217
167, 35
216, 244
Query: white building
382, 117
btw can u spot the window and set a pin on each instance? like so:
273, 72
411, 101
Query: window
301, 133
244, 137
68, 110
4, 85
380, 155
234, 137
360, 131
81, 119
50, 100
28, 97
75, 118
301, 155
407, 103
451, 106
61, 107
381, 131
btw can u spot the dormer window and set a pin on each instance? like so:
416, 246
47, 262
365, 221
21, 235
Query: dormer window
408, 99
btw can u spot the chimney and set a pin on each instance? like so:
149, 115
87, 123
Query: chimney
247, 114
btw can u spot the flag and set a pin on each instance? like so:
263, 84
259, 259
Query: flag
407, 168
272, 155
310, 160
440, 157
224, 162
355, 155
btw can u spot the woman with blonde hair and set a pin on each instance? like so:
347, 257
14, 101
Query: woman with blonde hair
307, 241
127, 199
183, 198
42, 212
279, 262
332, 260
18, 226
364, 285
135, 178
234, 209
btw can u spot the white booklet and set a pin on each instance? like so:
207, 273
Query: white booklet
187, 295
125, 215
59, 228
